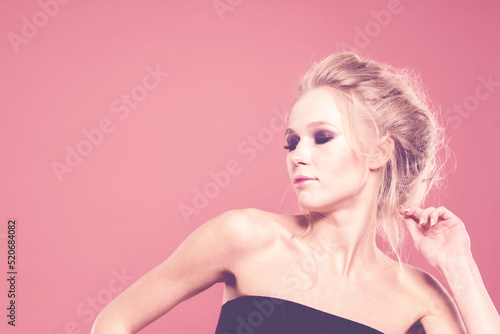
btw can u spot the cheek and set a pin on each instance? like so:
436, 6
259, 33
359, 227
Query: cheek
345, 168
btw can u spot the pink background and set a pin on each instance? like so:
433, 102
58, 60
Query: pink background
118, 209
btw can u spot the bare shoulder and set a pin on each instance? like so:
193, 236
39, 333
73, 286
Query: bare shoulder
437, 310
246, 228
423, 283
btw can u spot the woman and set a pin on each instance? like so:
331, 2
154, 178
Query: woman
362, 156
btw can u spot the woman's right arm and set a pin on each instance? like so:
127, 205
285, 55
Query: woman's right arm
202, 260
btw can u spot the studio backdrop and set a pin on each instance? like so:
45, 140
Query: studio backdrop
125, 125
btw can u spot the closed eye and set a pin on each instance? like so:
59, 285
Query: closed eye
322, 137
292, 142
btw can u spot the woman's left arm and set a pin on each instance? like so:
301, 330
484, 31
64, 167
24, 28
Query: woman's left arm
441, 238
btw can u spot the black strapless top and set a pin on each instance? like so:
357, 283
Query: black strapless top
266, 315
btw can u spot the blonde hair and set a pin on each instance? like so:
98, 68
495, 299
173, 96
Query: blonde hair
377, 100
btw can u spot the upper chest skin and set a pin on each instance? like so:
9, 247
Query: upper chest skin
286, 268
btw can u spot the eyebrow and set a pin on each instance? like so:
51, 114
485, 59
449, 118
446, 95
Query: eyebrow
313, 124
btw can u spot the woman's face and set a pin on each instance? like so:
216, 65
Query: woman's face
325, 172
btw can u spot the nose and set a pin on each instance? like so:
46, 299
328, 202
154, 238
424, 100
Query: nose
301, 155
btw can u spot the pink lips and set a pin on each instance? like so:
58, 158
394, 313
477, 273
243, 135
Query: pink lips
302, 180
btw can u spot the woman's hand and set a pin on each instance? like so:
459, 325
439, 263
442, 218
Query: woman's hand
441, 238
438, 235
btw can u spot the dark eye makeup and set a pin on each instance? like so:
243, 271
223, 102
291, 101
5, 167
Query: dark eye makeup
320, 137
292, 142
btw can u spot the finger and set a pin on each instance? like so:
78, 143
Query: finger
442, 214
419, 215
414, 230
424, 216
435, 214
403, 210
446, 214
412, 212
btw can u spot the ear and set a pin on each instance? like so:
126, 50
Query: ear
382, 153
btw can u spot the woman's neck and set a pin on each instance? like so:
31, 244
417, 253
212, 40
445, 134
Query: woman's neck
348, 238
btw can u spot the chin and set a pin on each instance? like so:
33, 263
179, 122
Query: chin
310, 205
